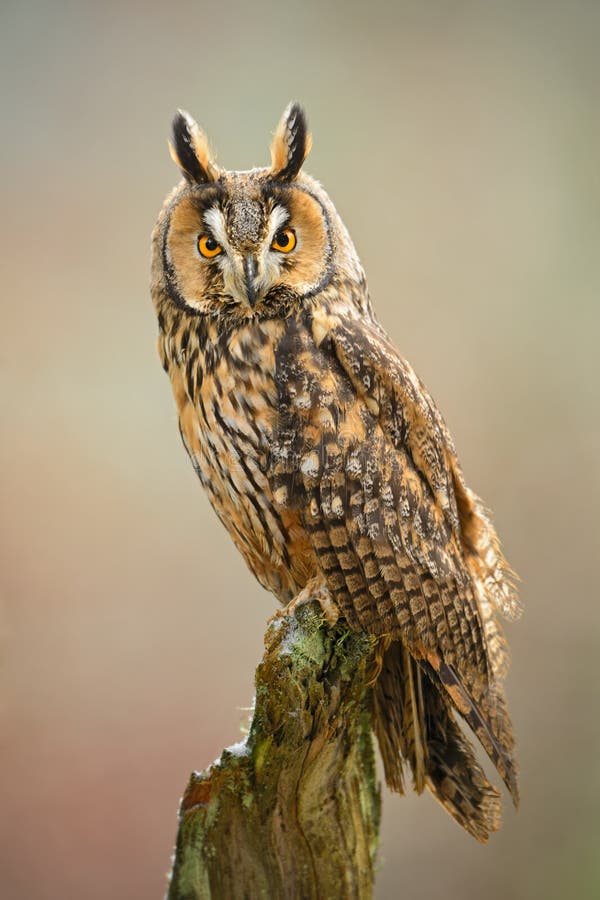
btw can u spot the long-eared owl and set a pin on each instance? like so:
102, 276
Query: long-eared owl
326, 458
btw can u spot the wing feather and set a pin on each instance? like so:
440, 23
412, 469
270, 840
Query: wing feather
368, 461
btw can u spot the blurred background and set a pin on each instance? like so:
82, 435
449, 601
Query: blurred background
461, 144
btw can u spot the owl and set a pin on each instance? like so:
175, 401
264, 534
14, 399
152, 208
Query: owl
328, 462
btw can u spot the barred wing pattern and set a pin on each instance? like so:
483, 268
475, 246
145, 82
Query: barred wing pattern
365, 457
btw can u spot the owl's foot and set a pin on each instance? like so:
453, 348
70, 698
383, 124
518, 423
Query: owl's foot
314, 590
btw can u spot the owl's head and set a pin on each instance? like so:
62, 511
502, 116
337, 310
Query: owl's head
248, 242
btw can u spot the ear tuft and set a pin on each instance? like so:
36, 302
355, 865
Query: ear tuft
190, 150
291, 144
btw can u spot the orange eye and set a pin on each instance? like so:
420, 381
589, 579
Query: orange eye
208, 247
284, 241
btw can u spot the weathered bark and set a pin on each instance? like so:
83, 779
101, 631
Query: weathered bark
293, 811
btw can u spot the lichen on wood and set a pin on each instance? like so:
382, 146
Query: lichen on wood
293, 811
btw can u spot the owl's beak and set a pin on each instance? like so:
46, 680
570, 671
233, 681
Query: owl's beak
250, 270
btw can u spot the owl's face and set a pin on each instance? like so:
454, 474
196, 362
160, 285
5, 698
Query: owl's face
241, 242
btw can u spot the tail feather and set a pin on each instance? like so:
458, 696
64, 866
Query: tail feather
416, 727
414, 723
391, 720
485, 713
454, 777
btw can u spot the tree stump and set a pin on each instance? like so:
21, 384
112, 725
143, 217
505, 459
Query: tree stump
293, 811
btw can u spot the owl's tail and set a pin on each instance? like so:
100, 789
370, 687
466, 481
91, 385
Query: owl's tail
414, 723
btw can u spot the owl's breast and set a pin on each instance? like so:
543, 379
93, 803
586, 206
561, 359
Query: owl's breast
227, 401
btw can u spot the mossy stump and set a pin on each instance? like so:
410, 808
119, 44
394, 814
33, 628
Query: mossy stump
293, 811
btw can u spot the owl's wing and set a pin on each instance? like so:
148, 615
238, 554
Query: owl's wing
465, 545
364, 454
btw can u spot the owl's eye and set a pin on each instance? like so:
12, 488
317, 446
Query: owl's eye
208, 247
284, 241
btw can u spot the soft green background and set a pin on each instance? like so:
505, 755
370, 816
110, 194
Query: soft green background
461, 144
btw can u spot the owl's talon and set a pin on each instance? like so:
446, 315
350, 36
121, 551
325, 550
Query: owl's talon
314, 590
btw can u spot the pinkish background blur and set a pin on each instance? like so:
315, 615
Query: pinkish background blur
461, 142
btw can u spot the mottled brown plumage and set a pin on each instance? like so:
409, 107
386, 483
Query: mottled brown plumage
326, 459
